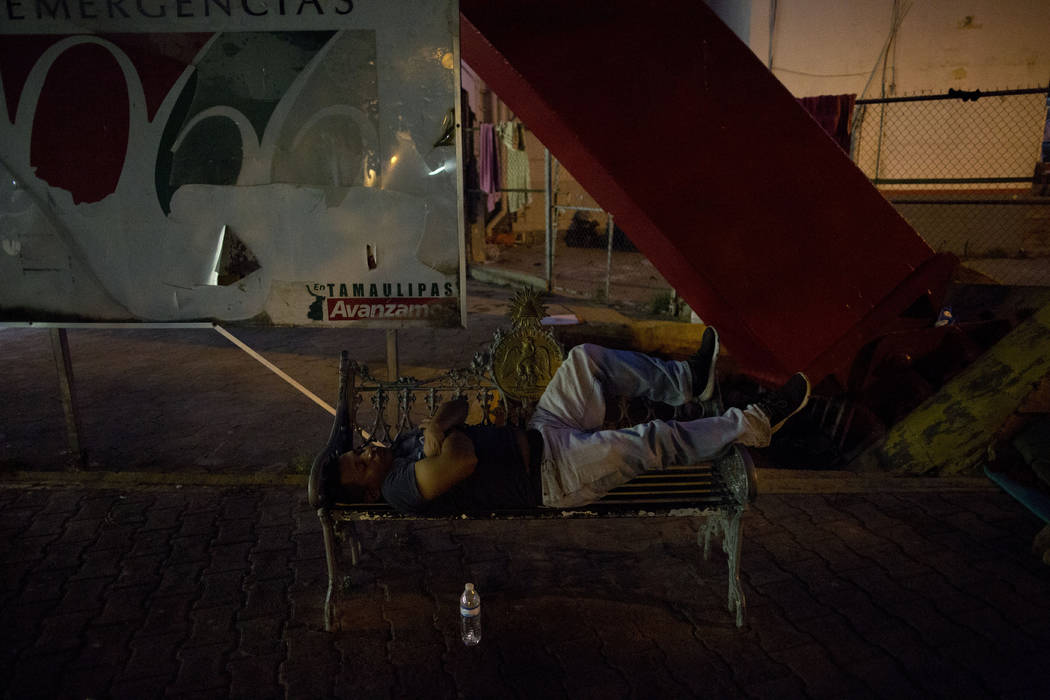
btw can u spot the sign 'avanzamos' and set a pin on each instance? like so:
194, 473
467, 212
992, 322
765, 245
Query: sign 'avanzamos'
187, 160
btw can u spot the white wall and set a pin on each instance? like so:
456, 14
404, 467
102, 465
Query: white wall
824, 47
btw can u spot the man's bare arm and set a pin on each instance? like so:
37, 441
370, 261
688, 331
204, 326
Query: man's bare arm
455, 462
448, 414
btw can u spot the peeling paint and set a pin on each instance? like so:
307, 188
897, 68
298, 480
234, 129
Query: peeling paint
951, 432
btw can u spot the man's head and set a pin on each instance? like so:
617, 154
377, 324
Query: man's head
361, 472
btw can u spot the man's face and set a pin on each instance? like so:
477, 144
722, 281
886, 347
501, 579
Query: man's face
366, 468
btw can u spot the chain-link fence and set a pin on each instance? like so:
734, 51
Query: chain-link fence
586, 262
965, 170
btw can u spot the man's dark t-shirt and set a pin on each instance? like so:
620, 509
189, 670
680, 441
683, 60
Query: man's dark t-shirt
500, 479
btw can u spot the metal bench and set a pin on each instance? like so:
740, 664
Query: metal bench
370, 409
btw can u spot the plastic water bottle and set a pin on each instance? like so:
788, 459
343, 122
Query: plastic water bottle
470, 615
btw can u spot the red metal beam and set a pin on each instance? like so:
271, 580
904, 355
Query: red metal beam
742, 201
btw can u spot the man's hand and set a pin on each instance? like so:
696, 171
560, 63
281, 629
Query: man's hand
455, 462
449, 414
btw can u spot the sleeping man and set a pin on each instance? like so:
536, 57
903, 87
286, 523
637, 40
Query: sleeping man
564, 459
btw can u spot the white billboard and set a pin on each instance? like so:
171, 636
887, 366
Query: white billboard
284, 162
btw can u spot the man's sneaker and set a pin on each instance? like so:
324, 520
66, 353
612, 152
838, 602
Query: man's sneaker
702, 364
781, 404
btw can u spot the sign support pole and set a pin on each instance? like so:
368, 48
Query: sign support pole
548, 193
392, 370
64, 365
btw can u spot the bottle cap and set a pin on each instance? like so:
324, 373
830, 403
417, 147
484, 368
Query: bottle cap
470, 586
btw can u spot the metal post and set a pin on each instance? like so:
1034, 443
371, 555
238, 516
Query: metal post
548, 193
392, 371
608, 254
64, 365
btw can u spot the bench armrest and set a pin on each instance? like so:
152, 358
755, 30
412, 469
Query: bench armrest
325, 466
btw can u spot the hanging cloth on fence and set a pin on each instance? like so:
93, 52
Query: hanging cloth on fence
834, 113
488, 165
517, 165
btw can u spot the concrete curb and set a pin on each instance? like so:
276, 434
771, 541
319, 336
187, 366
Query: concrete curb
109, 479
788, 481
770, 481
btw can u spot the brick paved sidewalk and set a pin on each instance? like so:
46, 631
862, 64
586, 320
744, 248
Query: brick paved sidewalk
213, 592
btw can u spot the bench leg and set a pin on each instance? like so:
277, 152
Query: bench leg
328, 530
728, 525
731, 544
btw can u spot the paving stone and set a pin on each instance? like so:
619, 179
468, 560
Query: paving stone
536, 685
125, 604
93, 682
933, 627
1019, 675
199, 523
151, 541
783, 547
60, 554
141, 570
934, 587
152, 657
61, 632
212, 626
254, 677
312, 655
45, 585
105, 644
235, 531
221, 589
275, 511
94, 507
139, 689
748, 663
776, 688
424, 676
180, 578
169, 518
96, 564
794, 600
27, 548
261, 636
883, 678
126, 512
38, 676
272, 538
81, 530
896, 560
241, 506
313, 685
19, 624
774, 631
201, 668
269, 564
837, 635
308, 545
167, 614
924, 667
46, 524
228, 557
264, 598
193, 548
881, 587
821, 676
